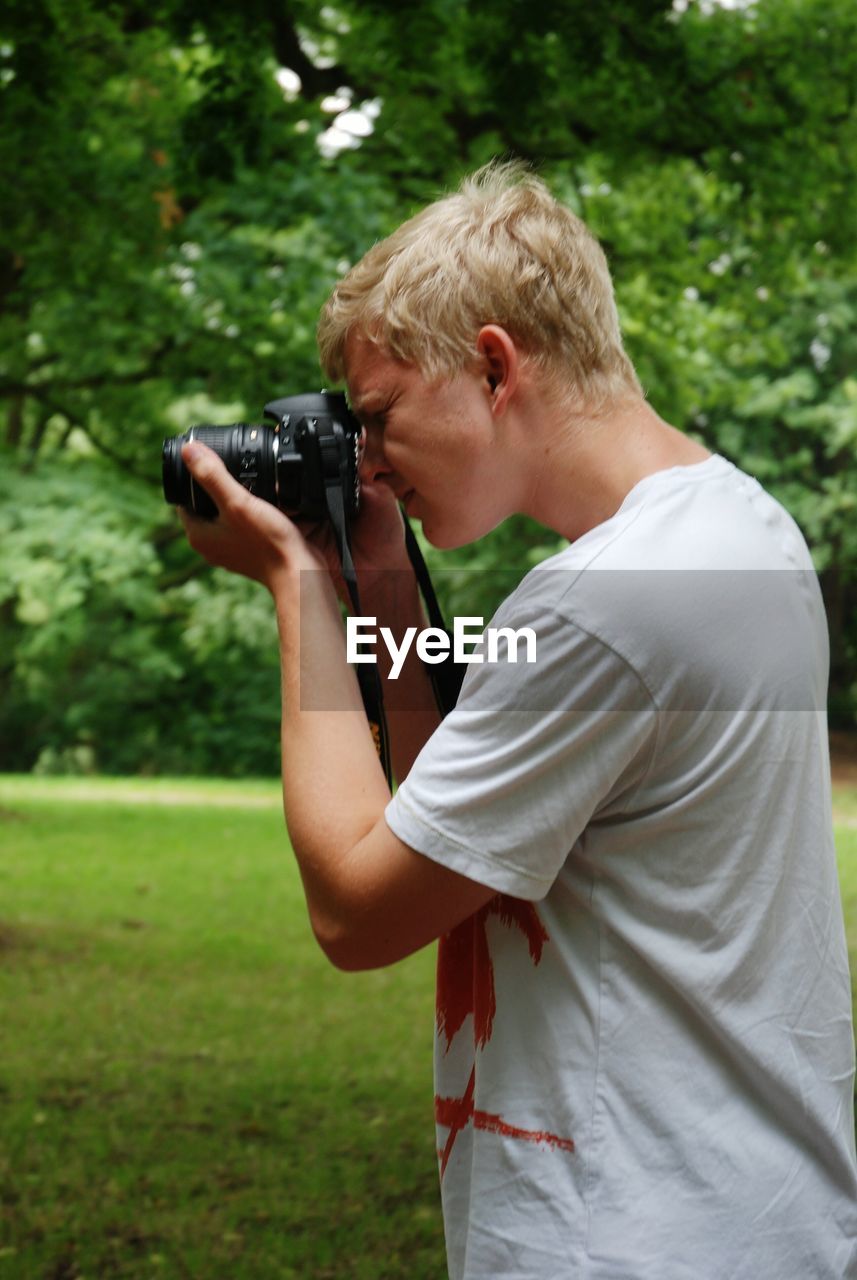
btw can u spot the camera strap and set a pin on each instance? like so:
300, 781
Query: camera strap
445, 677
368, 678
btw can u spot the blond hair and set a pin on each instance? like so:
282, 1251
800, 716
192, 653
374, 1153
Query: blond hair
501, 250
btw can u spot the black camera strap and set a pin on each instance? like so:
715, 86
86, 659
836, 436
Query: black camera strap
445, 678
367, 673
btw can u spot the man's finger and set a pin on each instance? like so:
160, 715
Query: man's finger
208, 469
204, 464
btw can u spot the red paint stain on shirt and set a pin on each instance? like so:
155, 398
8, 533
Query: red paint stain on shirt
465, 973
465, 985
456, 1113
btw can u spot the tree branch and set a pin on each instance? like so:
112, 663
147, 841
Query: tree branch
51, 408
94, 381
15, 420
315, 81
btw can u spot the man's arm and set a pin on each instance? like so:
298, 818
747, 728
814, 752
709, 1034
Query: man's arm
371, 898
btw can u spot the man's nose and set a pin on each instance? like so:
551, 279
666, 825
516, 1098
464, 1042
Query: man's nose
373, 464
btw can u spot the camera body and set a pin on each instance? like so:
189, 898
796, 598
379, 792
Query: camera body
300, 464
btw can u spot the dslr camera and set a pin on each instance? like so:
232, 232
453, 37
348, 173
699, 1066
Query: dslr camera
305, 463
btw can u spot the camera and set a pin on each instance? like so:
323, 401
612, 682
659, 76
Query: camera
305, 463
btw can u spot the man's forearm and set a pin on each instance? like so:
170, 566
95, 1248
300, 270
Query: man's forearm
334, 790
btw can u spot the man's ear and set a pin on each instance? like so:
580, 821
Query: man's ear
501, 364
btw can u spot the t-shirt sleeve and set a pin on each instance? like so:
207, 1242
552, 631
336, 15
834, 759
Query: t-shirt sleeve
530, 755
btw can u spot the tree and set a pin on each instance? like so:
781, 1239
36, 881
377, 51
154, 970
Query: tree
174, 226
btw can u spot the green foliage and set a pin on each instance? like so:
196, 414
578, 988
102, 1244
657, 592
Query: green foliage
119, 655
173, 227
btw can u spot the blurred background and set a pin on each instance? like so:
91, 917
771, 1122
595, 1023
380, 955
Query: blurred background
183, 182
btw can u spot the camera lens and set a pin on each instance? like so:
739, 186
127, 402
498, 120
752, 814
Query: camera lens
176, 476
247, 451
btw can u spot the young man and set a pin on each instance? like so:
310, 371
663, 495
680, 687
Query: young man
644, 1061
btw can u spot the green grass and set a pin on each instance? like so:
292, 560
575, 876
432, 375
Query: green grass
188, 1089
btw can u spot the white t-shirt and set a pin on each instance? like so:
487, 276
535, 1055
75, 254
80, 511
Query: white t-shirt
644, 1056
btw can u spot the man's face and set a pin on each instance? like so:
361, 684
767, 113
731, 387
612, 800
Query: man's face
432, 443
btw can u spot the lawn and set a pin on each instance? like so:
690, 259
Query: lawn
188, 1089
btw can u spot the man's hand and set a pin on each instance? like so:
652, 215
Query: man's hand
250, 537
378, 533
377, 541
256, 539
